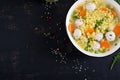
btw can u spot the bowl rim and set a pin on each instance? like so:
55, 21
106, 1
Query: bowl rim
115, 48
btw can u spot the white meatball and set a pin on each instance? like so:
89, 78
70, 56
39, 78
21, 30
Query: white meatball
77, 33
99, 36
96, 46
110, 36
78, 22
90, 6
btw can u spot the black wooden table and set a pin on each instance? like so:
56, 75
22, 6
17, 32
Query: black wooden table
34, 45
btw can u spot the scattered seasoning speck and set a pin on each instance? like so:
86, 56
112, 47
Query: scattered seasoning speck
93, 70
85, 79
60, 28
63, 48
36, 28
61, 58
46, 34
41, 16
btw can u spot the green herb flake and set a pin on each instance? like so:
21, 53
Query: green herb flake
74, 16
98, 23
84, 17
106, 30
115, 44
106, 17
102, 51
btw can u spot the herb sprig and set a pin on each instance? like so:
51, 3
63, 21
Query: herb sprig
118, 1
116, 58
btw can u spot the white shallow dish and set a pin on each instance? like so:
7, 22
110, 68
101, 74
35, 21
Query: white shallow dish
112, 49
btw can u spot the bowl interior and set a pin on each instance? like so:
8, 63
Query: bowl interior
112, 50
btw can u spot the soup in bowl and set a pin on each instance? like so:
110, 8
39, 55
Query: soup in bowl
93, 26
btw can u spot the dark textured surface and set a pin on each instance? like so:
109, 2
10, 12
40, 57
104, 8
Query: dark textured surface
34, 45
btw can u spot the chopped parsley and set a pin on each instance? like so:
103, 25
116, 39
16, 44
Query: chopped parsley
74, 16
98, 23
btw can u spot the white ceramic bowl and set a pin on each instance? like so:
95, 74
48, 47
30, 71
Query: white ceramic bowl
112, 50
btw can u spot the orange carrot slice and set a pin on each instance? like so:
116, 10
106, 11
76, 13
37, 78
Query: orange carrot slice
104, 9
105, 44
116, 30
89, 31
83, 12
114, 13
71, 27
